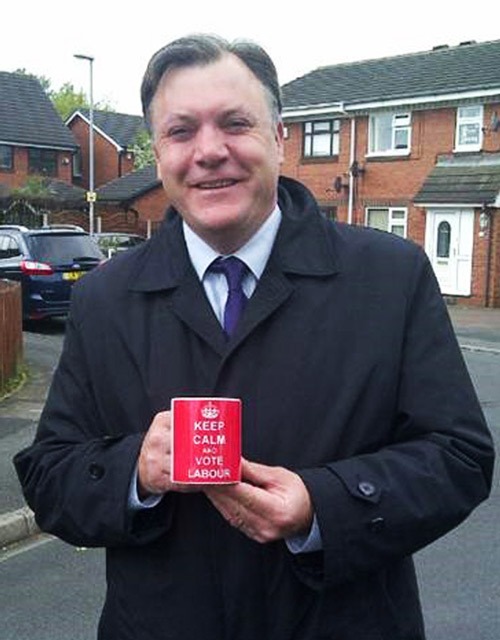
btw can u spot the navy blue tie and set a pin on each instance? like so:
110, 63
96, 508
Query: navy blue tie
234, 270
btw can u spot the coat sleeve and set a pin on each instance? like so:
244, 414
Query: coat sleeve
76, 475
435, 468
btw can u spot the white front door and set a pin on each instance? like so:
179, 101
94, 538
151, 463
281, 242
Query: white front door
449, 238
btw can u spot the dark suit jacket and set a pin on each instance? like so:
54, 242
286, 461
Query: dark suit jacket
349, 373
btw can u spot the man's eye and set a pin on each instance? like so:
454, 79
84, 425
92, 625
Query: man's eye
179, 133
238, 125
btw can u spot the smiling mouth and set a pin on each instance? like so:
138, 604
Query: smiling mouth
216, 184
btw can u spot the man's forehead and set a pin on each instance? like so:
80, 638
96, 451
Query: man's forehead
230, 86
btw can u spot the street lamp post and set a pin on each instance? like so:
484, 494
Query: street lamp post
90, 192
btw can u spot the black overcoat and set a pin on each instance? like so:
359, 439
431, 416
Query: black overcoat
349, 374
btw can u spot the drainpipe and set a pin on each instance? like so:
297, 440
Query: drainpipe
352, 157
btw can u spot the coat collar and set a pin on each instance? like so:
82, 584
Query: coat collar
302, 247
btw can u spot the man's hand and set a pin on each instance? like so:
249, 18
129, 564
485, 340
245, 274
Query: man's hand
269, 504
153, 469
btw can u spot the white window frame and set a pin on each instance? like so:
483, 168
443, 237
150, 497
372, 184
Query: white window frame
392, 219
463, 119
311, 129
400, 123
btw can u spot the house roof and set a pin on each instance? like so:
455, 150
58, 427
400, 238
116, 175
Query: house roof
130, 186
120, 128
471, 180
469, 67
66, 193
58, 193
27, 115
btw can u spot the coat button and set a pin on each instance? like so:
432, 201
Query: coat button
376, 525
96, 472
366, 489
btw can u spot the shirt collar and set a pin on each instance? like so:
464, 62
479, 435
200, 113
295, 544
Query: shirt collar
255, 253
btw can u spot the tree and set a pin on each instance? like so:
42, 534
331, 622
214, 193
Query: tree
143, 150
66, 99
34, 188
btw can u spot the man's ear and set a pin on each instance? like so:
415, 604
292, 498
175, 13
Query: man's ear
280, 140
157, 160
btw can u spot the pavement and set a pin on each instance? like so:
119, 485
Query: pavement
477, 329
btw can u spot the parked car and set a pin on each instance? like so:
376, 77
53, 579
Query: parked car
111, 242
47, 262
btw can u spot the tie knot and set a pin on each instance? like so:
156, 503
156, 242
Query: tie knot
233, 268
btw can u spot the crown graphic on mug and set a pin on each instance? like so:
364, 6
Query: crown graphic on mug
210, 411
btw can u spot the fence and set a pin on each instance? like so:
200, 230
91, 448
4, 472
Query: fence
11, 331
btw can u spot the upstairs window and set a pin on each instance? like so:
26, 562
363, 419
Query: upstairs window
390, 134
469, 132
6, 157
42, 161
392, 219
321, 138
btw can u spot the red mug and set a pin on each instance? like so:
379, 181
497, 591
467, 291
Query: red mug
206, 440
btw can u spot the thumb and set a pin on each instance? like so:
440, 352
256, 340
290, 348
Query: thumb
254, 473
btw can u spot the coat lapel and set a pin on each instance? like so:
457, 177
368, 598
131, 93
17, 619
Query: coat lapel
166, 269
301, 249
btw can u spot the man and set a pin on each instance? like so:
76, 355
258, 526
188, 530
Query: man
363, 440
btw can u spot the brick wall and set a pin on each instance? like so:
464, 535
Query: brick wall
109, 162
148, 210
494, 249
17, 177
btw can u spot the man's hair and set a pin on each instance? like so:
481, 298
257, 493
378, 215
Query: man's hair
203, 49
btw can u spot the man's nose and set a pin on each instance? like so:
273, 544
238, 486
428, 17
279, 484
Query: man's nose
211, 146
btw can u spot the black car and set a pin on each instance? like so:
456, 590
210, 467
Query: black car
46, 261
112, 242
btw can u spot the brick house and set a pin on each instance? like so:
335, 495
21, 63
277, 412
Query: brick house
409, 144
34, 142
114, 136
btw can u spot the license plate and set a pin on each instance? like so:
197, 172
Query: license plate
72, 275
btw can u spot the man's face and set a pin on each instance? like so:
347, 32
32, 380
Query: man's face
217, 149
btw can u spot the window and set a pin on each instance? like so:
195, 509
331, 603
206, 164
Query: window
469, 133
443, 240
330, 213
8, 247
42, 161
77, 164
390, 133
387, 219
6, 157
321, 138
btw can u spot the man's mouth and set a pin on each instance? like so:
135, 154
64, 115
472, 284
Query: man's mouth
216, 184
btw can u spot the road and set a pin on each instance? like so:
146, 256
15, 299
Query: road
55, 591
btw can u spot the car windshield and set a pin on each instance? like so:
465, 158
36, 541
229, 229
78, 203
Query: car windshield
62, 248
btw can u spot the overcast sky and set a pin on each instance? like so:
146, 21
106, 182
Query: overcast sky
42, 36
